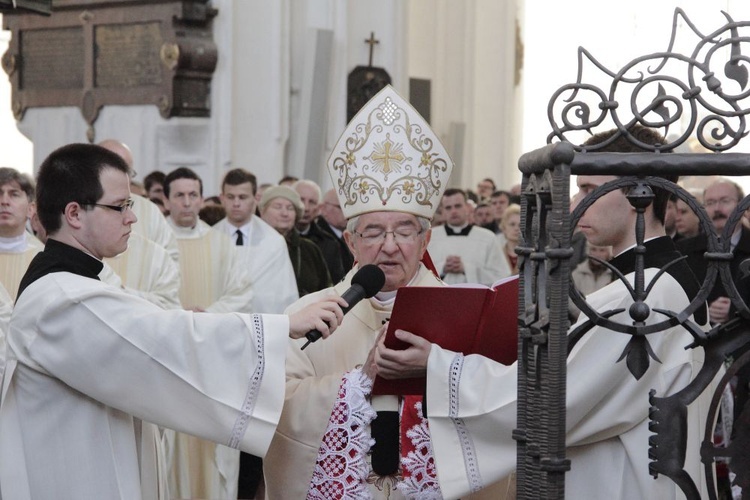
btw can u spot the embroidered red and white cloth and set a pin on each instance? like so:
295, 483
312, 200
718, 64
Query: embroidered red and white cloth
417, 460
342, 469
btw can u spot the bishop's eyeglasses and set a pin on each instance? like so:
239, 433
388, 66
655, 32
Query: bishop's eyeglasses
402, 235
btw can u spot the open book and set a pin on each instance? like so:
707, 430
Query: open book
471, 319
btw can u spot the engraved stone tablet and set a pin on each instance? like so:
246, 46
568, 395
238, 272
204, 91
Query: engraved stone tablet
127, 55
53, 59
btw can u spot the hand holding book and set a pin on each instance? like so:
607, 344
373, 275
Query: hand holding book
467, 319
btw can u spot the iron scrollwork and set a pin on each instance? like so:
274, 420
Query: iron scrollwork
706, 106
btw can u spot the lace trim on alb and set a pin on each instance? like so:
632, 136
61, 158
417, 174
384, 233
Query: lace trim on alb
240, 426
467, 444
341, 467
421, 481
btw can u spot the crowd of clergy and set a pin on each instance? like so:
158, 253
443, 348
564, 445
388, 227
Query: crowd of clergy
261, 249
251, 248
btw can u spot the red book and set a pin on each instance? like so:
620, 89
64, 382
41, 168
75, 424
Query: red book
471, 319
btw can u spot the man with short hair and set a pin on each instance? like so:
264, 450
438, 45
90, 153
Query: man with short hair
153, 183
309, 193
100, 362
608, 409
483, 216
720, 199
500, 200
17, 246
274, 286
485, 188
333, 222
463, 252
214, 278
686, 221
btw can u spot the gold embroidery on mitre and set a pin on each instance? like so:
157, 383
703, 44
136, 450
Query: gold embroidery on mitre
387, 156
385, 159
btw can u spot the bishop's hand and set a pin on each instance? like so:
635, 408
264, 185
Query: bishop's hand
409, 363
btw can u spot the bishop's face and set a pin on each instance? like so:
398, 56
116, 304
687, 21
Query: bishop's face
398, 253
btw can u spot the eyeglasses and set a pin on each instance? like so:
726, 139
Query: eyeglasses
401, 236
725, 202
127, 205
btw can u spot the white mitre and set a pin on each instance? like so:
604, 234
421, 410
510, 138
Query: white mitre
388, 158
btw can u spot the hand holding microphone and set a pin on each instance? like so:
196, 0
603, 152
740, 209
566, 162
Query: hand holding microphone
325, 315
365, 283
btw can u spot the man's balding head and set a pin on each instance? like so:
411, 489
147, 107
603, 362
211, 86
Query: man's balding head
120, 149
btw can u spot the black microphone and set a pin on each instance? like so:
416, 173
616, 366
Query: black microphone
365, 283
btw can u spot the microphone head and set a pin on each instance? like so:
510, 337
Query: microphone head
371, 278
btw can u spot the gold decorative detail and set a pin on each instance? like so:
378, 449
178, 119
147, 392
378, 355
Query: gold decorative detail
9, 63
17, 109
425, 159
386, 152
170, 55
90, 107
91, 134
164, 105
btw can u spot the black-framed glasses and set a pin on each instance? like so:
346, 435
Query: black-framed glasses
402, 235
127, 205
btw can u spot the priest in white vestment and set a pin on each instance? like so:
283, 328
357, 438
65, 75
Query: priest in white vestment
607, 407
322, 447
274, 285
463, 252
145, 269
87, 362
16, 253
215, 277
17, 245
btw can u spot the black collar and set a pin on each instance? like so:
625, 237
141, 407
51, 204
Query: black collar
464, 232
58, 257
660, 252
